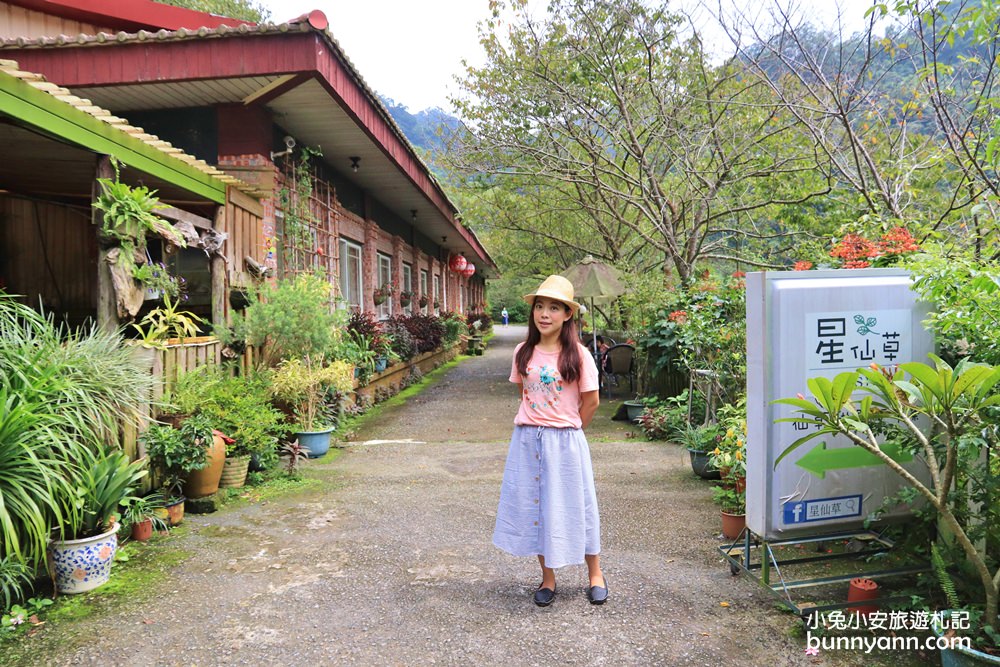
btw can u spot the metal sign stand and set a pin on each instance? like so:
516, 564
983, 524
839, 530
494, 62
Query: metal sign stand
749, 553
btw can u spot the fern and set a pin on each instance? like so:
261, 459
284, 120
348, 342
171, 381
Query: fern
944, 579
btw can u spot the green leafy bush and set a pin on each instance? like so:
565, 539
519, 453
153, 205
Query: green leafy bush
293, 319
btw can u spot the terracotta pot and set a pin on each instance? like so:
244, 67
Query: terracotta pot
862, 590
175, 512
733, 525
740, 484
142, 530
205, 482
234, 472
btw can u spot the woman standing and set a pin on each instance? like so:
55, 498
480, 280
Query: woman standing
548, 505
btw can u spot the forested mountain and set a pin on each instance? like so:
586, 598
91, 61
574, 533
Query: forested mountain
424, 129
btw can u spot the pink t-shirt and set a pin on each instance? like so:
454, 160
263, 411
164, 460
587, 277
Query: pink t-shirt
545, 399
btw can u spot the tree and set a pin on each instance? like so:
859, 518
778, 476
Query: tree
902, 118
603, 114
247, 10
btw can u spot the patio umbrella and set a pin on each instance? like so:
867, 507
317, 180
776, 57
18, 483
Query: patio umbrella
593, 279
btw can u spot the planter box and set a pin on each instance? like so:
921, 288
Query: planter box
394, 375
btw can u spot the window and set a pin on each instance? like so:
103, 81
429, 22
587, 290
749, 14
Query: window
436, 300
423, 288
350, 273
408, 285
384, 280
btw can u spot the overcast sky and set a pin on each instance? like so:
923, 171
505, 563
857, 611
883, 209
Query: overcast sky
410, 50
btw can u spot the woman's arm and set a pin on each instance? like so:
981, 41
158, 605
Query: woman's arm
589, 400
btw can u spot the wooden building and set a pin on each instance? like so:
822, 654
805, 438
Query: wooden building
281, 108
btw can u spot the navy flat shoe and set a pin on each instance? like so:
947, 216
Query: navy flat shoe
598, 594
544, 596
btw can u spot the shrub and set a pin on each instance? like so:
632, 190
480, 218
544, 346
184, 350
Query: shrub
402, 340
427, 331
454, 326
292, 319
363, 323
485, 323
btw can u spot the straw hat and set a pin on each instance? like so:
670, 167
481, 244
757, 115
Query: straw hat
558, 288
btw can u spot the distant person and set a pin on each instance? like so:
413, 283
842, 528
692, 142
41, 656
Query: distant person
505, 316
548, 503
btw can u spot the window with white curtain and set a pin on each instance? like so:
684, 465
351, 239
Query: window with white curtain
350, 273
384, 279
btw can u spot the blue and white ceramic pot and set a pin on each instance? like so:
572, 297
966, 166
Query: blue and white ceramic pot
83, 565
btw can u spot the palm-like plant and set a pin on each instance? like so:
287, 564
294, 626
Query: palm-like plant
63, 396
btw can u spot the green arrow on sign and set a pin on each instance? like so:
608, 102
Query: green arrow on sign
819, 459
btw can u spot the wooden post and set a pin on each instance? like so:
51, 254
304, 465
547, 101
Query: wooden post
107, 309
218, 270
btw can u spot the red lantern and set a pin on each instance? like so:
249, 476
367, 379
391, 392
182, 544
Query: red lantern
457, 263
469, 269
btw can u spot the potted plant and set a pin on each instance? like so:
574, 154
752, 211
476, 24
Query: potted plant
240, 407
166, 322
423, 300
405, 298
381, 346
143, 515
82, 561
383, 292
177, 452
730, 454
700, 441
945, 417
302, 384
734, 510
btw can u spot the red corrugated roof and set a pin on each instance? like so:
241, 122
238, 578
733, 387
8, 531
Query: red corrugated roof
131, 15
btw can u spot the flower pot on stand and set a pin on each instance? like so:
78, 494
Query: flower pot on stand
205, 482
82, 565
316, 443
234, 472
733, 525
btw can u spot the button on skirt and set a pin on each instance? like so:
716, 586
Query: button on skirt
548, 505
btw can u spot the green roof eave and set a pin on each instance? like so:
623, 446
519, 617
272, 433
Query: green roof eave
52, 116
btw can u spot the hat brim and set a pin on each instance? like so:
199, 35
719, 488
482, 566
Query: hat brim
573, 305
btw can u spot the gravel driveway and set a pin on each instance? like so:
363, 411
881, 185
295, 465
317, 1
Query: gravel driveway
390, 562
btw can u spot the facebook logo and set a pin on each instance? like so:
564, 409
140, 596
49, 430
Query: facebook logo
795, 512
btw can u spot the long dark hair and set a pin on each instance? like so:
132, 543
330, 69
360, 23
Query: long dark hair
569, 357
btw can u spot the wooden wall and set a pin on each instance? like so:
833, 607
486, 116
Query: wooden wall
50, 251
244, 223
21, 22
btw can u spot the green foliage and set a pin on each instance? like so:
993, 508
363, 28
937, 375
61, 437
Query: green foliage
966, 298
178, 451
139, 509
20, 617
64, 396
303, 384
240, 407
126, 219
247, 10
166, 322
957, 404
101, 485
944, 579
731, 500
292, 319
15, 579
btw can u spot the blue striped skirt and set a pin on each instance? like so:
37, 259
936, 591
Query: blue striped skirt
548, 504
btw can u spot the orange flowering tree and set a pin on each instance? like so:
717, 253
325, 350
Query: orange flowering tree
857, 252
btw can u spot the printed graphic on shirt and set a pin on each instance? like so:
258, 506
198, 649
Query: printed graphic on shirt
544, 393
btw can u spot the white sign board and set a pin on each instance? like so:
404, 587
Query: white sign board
803, 324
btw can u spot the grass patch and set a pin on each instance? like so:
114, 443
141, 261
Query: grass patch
352, 424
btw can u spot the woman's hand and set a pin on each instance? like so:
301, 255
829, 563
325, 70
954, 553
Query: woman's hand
589, 400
